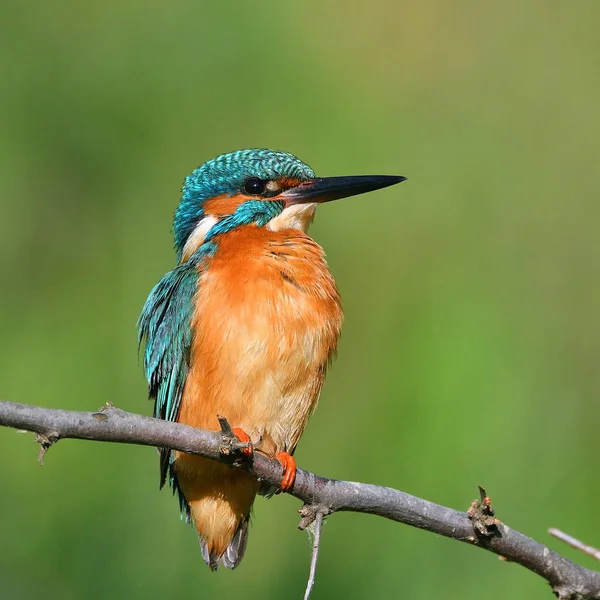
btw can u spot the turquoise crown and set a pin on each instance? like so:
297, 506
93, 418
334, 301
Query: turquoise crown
226, 174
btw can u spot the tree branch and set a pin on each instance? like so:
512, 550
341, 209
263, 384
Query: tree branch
574, 543
316, 533
322, 495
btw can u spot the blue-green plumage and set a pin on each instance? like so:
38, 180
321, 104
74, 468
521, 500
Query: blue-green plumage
226, 174
165, 325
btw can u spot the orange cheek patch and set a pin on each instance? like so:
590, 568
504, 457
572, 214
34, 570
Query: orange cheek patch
288, 182
223, 205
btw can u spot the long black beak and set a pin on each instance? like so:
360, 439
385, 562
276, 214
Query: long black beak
324, 189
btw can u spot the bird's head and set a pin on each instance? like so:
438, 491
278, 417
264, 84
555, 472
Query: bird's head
258, 187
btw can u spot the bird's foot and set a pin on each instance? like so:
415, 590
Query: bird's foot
241, 435
289, 470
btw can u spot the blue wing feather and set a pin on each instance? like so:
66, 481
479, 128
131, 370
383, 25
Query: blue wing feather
165, 326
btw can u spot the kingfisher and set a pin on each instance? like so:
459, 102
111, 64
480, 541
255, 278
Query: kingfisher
244, 327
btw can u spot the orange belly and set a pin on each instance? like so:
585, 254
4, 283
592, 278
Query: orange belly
266, 324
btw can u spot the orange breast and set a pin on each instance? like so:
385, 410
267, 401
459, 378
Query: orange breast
266, 324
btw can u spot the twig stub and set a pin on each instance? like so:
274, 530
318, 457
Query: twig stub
231, 448
45, 440
575, 543
482, 516
309, 513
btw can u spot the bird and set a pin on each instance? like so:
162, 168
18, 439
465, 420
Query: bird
243, 327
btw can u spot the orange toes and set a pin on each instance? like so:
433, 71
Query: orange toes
241, 435
289, 470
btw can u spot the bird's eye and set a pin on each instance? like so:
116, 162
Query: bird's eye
254, 186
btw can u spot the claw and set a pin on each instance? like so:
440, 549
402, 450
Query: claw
289, 470
241, 435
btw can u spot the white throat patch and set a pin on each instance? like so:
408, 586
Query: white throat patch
197, 236
297, 216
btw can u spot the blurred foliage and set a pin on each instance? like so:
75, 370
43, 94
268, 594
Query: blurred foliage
471, 343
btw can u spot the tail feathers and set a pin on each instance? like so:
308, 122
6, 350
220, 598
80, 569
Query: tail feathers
217, 501
233, 554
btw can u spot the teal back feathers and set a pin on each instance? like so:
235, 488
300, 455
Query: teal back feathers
165, 325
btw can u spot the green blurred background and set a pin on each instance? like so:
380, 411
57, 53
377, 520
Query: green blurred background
470, 350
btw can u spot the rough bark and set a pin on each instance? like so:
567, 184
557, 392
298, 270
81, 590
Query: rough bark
321, 495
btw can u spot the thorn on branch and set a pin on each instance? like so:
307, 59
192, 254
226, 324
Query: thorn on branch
482, 516
45, 440
232, 448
